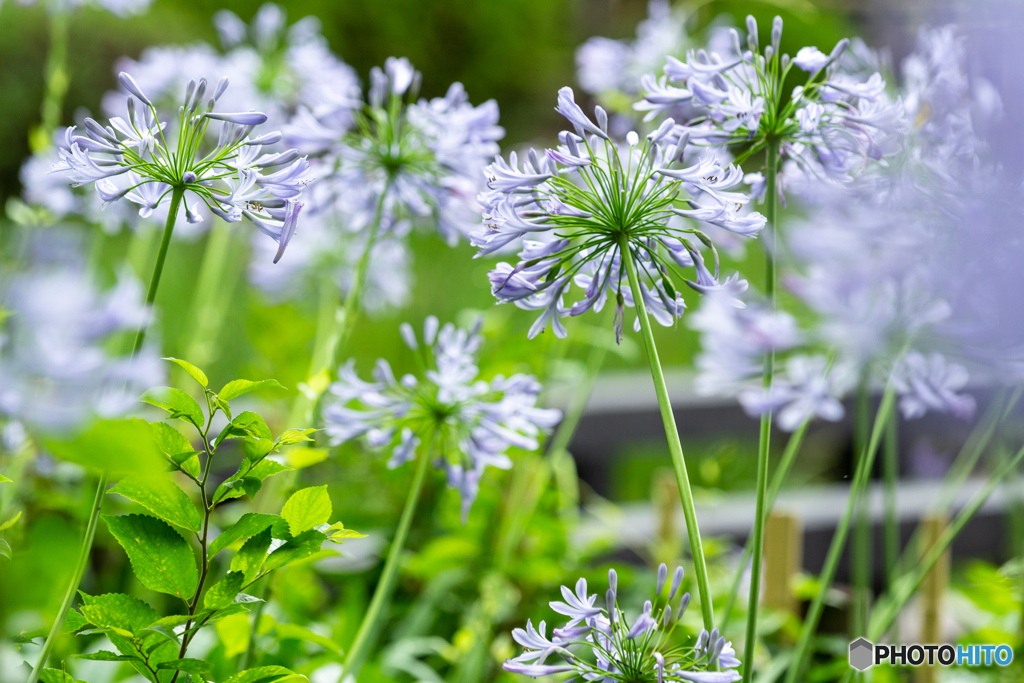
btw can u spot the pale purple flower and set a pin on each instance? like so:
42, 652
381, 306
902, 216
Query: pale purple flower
467, 423
927, 383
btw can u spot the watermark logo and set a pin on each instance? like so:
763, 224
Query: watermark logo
864, 654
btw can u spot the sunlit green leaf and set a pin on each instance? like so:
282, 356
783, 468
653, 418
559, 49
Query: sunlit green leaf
292, 436
11, 522
192, 666
248, 525
177, 403
337, 533
236, 388
263, 674
249, 558
306, 509
299, 548
175, 447
118, 611
161, 558
163, 498
194, 372
223, 593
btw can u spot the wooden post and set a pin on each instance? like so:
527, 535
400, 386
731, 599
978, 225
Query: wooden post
665, 497
783, 559
932, 592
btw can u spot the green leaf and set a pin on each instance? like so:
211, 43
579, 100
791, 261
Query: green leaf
163, 498
306, 509
161, 558
194, 372
236, 388
263, 674
247, 424
249, 559
177, 403
174, 620
192, 666
298, 458
58, 676
116, 610
267, 468
292, 436
5, 549
248, 525
11, 522
298, 548
3, 479
116, 446
74, 621
234, 634
337, 533
176, 448
257, 449
223, 593
106, 656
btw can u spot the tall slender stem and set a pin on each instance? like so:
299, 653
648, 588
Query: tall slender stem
382, 594
764, 440
891, 465
249, 656
835, 550
672, 434
796, 439
57, 81
76, 578
861, 557
158, 268
90, 529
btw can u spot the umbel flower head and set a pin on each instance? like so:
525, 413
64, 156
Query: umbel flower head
648, 648
466, 422
132, 159
405, 161
827, 125
580, 209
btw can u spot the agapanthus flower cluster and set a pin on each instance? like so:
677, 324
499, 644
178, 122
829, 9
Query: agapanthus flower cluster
600, 644
405, 162
605, 67
132, 159
734, 341
465, 423
829, 125
579, 209
55, 368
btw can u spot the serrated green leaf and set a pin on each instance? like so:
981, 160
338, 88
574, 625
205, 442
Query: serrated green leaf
267, 468
231, 610
223, 593
246, 424
263, 674
163, 498
249, 558
298, 548
306, 509
161, 558
116, 610
163, 631
248, 525
194, 372
236, 388
293, 436
337, 533
11, 522
74, 621
175, 620
192, 666
176, 448
106, 656
177, 403
223, 405
115, 446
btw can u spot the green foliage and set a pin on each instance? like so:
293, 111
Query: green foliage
164, 561
115, 446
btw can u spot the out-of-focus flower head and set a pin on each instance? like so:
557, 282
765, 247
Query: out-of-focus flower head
133, 159
465, 422
831, 126
55, 369
600, 643
423, 159
571, 208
